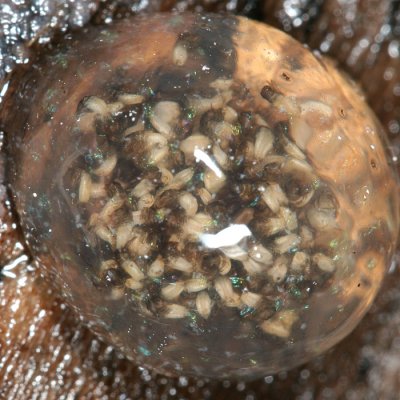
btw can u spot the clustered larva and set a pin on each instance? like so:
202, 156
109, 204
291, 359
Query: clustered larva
198, 194
188, 188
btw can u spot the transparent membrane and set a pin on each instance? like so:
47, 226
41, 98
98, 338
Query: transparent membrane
211, 197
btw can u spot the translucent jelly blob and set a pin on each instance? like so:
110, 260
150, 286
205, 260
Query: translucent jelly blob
210, 197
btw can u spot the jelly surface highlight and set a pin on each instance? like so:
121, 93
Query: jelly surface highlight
208, 195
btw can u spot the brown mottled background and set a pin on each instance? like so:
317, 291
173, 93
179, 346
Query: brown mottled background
45, 353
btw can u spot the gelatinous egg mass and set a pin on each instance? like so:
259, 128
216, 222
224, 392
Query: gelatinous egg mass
211, 197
